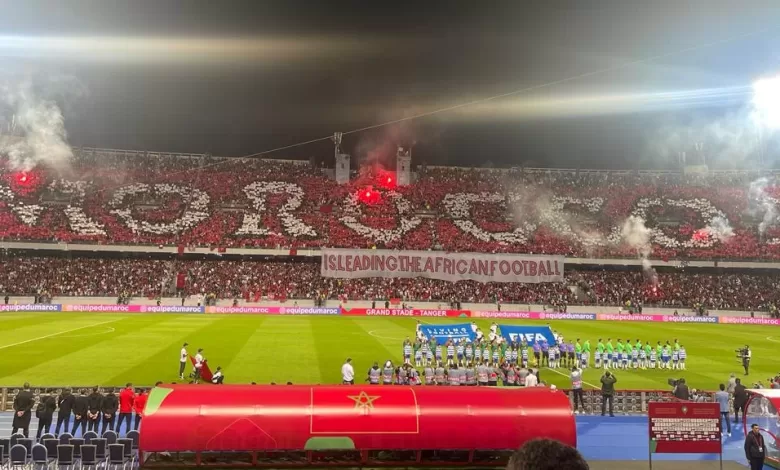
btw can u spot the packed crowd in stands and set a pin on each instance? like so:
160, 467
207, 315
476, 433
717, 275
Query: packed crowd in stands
137, 198
250, 281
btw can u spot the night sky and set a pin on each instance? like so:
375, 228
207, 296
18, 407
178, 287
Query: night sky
238, 78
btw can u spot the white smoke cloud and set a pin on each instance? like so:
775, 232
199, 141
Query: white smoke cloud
761, 204
635, 234
720, 229
40, 124
732, 140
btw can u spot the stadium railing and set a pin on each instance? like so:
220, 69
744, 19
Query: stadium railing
632, 402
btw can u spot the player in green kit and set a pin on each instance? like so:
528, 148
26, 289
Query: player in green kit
610, 362
621, 354
586, 354
648, 352
578, 352
638, 355
658, 351
600, 350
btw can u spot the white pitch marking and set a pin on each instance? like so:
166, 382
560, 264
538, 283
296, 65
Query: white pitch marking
566, 375
770, 338
371, 333
56, 334
107, 330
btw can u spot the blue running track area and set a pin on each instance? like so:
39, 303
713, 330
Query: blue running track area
608, 443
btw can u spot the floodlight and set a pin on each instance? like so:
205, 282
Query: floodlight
766, 101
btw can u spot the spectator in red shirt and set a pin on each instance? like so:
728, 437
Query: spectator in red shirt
139, 403
125, 407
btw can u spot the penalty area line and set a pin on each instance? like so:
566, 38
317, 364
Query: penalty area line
56, 334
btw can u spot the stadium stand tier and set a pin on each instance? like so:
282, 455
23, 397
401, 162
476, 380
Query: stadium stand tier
252, 281
118, 197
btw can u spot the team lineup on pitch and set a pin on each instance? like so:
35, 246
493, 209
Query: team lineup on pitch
72, 349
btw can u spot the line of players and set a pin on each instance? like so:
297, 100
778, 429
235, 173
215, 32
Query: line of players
484, 374
639, 356
494, 350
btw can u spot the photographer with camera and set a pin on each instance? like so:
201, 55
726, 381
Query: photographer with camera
681, 391
576, 388
607, 392
744, 354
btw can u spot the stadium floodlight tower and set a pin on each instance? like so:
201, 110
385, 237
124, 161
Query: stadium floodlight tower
403, 166
342, 160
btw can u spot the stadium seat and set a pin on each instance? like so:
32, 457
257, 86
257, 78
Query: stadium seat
65, 457
77, 442
110, 437
135, 437
15, 439
116, 457
5, 445
89, 457
51, 447
40, 458
128, 448
101, 448
18, 459
28, 444
89, 435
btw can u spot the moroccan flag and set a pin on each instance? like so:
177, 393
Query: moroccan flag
364, 410
205, 372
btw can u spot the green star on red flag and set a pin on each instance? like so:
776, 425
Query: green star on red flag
338, 410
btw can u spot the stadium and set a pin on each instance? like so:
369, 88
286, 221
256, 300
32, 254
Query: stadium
280, 270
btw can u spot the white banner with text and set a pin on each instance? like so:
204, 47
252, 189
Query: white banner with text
482, 267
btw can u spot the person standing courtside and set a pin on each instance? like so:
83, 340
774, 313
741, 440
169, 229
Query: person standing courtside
722, 398
45, 413
94, 405
576, 389
126, 397
740, 400
139, 403
183, 356
65, 405
607, 392
80, 410
755, 451
23, 405
108, 407
348, 373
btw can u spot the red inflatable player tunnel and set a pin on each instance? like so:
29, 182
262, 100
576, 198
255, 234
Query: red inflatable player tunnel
250, 418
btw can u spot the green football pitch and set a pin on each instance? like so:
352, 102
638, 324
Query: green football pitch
72, 349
